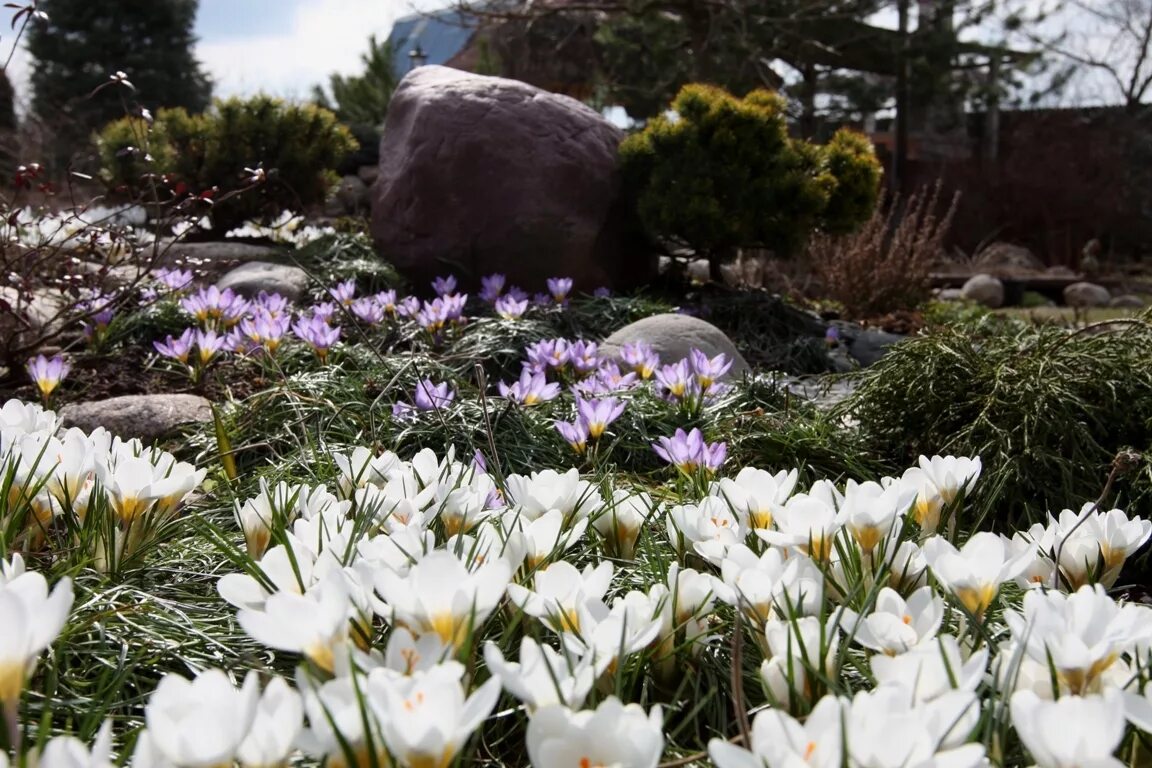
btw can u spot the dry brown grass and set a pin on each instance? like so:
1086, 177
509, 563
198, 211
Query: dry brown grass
884, 266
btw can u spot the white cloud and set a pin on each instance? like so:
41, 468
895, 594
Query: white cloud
326, 36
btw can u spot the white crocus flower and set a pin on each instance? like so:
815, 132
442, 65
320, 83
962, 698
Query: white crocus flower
1079, 636
128, 486
257, 515
951, 475
932, 669
286, 568
710, 528
806, 524
541, 539
70, 752
974, 573
27, 417
360, 468
441, 595
559, 591
870, 511
336, 724
613, 734
779, 741
895, 625
315, 624
619, 522
426, 719
272, 737
201, 723
754, 494
543, 676
609, 634
544, 491
1072, 731
30, 620
406, 655
888, 728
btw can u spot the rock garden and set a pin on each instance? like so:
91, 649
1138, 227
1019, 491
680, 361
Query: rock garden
559, 446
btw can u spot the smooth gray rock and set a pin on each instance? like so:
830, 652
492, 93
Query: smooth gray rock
480, 175
1008, 257
985, 290
249, 279
870, 345
1086, 295
673, 337
215, 254
1127, 301
147, 417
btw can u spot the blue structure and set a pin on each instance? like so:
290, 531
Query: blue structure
439, 35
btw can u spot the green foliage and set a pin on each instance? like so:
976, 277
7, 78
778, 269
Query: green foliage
82, 44
722, 173
1046, 410
297, 145
361, 101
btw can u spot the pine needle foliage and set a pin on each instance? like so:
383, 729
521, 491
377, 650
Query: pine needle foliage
1046, 409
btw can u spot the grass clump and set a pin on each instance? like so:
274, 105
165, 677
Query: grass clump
1046, 410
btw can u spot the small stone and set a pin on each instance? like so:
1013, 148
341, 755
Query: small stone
1127, 301
1086, 295
368, 173
1009, 258
985, 290
673, 337
249, 279
147, 417
215, 254
951, 294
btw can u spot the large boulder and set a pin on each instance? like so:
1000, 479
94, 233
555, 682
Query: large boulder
147, 417
483, 174
1086, 295
673, 337
985, 290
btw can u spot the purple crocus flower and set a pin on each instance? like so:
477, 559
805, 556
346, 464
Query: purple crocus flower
102, 311
517, 293
431, 396
641, 358
367, 310
832, 336
688, 451
559, 287
387, 300
344, 292
403, 412
602, 292
584, 356
708, 370
409, 306
549, 353
444, 285
324, 311
676, 380
491, 287
208, 343
509, 308
575, 433
612, 379
265, 330
532, 388
177, 348
479, 464
47, 373
173, 279
598, 414
272, 303
317, 334
211, 306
